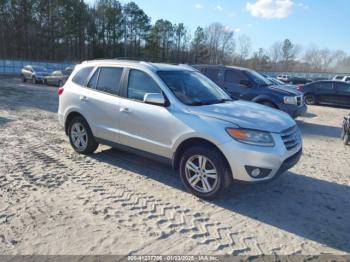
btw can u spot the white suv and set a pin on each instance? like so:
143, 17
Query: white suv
176, 114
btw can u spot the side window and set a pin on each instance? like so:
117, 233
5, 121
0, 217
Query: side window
347, 79
81, 77
109, 79
326, 86
140, 84
93, 80
232, 76
212, 74
343, 87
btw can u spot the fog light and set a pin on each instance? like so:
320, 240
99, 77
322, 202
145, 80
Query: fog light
256, 172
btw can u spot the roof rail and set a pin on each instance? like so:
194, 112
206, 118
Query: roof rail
148, 64
189, 67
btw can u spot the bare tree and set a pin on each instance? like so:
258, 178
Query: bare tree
244, 45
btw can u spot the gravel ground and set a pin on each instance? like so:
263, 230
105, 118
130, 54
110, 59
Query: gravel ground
56, 202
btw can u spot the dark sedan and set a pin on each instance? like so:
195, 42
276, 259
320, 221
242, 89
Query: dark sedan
326, 92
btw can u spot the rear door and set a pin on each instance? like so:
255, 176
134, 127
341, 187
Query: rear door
231, 83
326, 92
100, 102
343, 93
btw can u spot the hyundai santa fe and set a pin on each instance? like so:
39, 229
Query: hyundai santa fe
176, 114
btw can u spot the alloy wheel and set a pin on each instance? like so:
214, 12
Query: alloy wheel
201, 174
79, 136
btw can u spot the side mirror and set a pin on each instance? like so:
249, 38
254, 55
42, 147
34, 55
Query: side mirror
154, 99
245, 83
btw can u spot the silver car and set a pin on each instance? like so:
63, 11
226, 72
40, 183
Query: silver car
176, 114
35, 74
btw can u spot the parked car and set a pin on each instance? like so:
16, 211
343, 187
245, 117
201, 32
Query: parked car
345, 135
245, 84
57, 78
342, 78
298, 81
327, 92
284, 78
34, 73
176, 114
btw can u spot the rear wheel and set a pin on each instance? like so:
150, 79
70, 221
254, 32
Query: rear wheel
204, 172
269, 104
310, 99
80, 136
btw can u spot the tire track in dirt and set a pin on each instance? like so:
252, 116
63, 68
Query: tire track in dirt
53, 164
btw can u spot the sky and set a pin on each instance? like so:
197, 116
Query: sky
320, 23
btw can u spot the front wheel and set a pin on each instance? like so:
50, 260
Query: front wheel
310, 99
269, 104
204, 172
80, 136
346, 139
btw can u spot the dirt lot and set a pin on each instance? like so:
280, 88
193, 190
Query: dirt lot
54, 201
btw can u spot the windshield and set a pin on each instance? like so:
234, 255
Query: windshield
192, 88
39, 68
258, 78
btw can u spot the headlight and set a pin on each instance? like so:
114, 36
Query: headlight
252, 137
290, 100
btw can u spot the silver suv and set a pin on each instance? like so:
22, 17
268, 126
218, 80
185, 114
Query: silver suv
176, 114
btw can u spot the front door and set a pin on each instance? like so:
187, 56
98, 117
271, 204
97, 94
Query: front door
343, 93
143, 126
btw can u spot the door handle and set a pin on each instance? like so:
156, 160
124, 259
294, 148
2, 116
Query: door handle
83, 98
125, 110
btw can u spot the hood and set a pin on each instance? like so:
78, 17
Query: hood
247, 115
286, 90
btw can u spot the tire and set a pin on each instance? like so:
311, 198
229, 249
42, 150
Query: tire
80, 136
343, 133
23, 79
310, 99
346, 139
206, 185
269, 104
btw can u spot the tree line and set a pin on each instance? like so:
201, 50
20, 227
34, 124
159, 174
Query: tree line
71, 30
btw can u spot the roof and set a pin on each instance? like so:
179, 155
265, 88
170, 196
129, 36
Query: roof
221, 66
151, 66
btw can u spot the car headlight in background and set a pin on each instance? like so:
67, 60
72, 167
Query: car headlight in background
252, 137
292, 100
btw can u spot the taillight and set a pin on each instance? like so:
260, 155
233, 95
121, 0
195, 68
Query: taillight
300, 87
60, 91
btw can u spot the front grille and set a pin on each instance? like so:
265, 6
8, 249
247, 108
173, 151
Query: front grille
299, 100
291, 137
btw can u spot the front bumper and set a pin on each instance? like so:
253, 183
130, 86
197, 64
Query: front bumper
277, 159
293, 110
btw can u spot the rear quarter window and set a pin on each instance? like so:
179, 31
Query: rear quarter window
81, 77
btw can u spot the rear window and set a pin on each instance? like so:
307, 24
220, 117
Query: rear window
81, 77
109, 79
